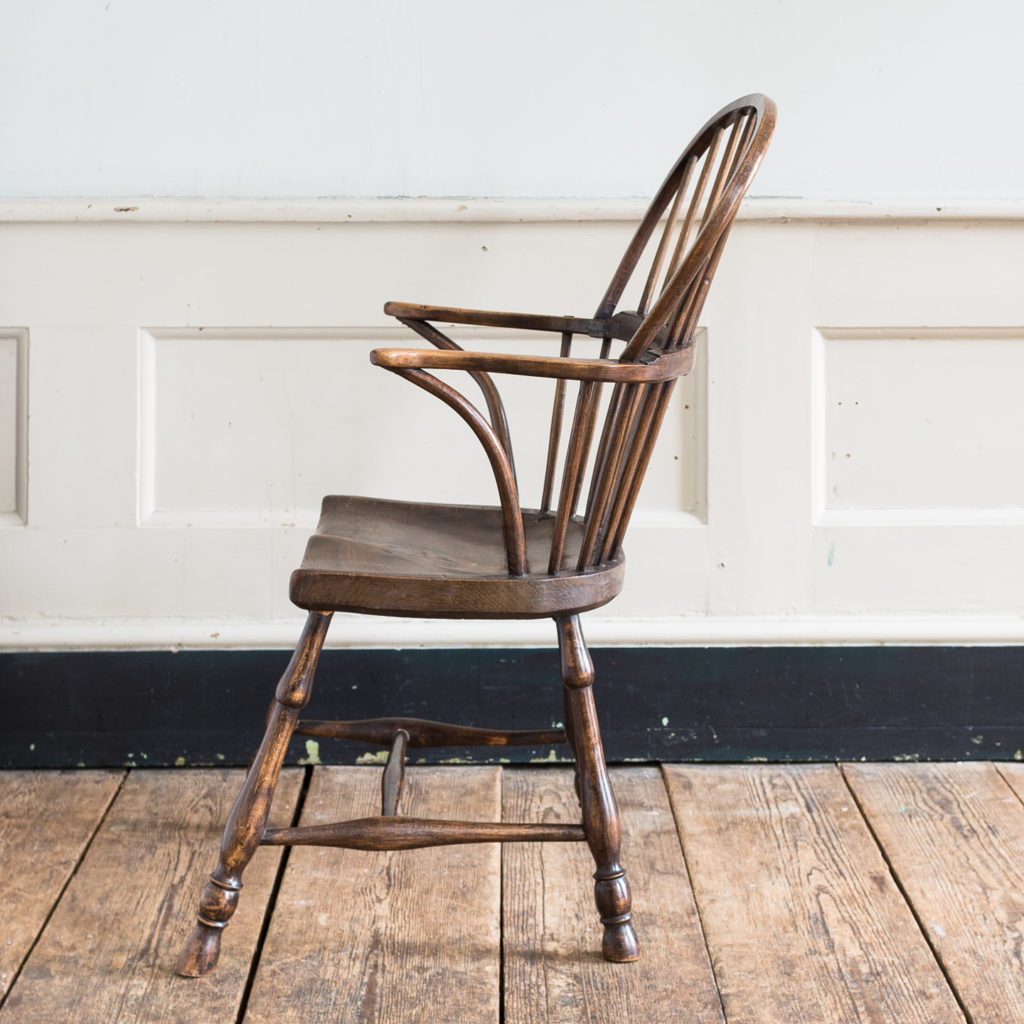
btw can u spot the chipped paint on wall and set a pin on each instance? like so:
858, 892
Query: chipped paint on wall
312, 753
373, 757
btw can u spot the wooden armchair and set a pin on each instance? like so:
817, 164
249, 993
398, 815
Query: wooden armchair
506, 561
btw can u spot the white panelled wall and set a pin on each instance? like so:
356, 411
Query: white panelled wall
181, 383
181, 379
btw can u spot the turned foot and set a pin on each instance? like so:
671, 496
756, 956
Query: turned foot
619, 944
600, 813
201, 951
202, 948
611, 894
248, 818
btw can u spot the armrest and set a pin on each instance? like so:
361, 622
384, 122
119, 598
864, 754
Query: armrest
497, 453
489, 318
672, 364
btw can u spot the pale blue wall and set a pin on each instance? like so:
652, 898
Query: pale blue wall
899, 99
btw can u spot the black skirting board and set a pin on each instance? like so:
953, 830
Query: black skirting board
164, 708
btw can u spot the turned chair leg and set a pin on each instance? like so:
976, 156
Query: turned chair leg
600, 813
569, 714
248, 817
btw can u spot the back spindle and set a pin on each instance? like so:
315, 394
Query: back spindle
572, 471
657, 402
555, 434
651, 285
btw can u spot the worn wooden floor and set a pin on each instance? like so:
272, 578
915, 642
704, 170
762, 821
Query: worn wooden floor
765, 894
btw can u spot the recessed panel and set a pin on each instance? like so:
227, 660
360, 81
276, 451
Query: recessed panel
677, 478
922, 420
243, 426
13, 387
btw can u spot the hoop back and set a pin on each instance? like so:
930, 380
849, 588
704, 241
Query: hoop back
694, 208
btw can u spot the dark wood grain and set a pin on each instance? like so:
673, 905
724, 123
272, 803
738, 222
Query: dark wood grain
492, 318
609, 371
802, 918
500, 458
555, 432
388, 938
108, 952
503, 561
423, 733
553, 974
251, 811
954, 835
495, 404
399, 558
573, 471
46, 821
703, 190
409, 833
601, 822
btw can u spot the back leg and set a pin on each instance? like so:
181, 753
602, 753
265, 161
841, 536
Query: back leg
248, 817
600, 813
569, 713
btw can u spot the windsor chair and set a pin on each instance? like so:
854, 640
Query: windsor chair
505, 561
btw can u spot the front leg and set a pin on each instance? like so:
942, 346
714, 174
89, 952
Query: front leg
248, 817
600, 812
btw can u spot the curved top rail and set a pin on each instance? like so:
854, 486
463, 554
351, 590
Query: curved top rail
746, 127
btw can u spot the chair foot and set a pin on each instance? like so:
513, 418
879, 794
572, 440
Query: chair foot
600, 812
619, 945
248, 818
201, 951
612, 896
217, 905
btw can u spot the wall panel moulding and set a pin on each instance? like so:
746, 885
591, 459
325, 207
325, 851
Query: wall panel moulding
840, 468
13, 426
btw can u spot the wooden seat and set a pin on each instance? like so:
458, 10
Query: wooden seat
505, 561
441, 561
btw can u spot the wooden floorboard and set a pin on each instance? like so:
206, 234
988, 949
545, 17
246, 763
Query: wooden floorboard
802, 918
46, 821
108, 952
554, 972
392, 938
820, 893
954, 835
1014, 775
